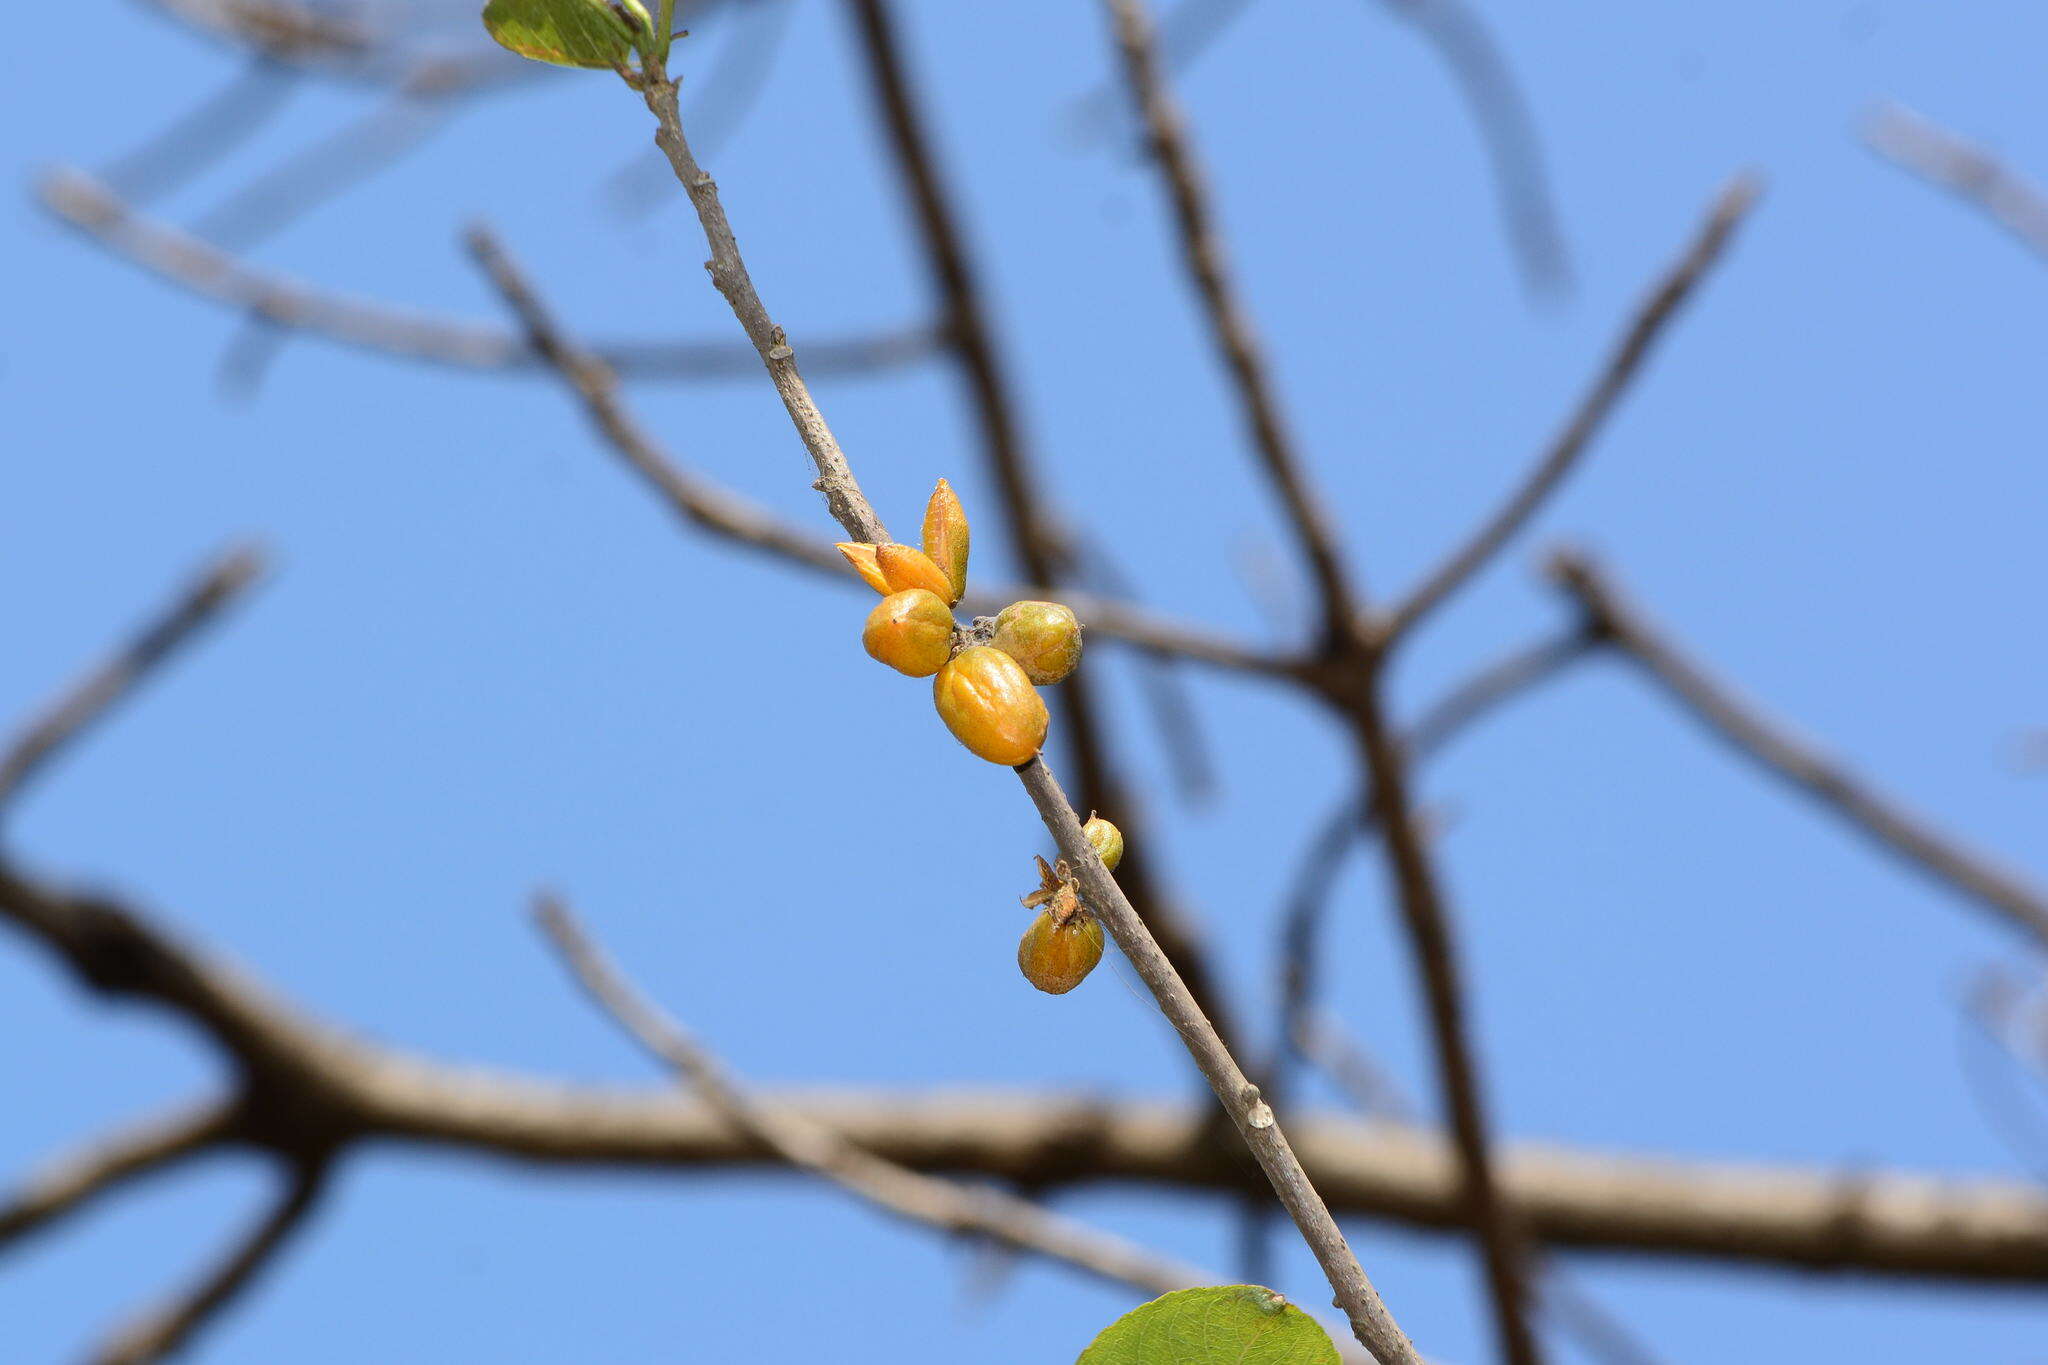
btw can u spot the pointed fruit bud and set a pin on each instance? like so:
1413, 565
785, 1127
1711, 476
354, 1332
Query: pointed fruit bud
990, 706
864, 562
1042, 636
1107, 840
912, 632
905, 567
1056, 956
945, 537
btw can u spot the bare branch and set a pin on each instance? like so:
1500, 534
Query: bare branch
1425, 917
1505, 126
164, 1331
1918, 144
1901, 831
1658, 308
76, 1181
325, 1088
98, 692
202, 269
1202, 252
811, 1146
216, 125
717, 510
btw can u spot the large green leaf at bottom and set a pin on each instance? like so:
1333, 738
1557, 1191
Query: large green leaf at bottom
564, 32
1232, 1324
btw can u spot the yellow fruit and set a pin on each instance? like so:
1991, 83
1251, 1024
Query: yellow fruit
1056, 956
1042, 636
990, 706
864, 562
905, 567
945, 537
1107, 839
912, 632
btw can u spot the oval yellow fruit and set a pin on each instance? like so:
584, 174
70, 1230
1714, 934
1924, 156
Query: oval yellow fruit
1057, 957
990, 706
1042, 636
912, 632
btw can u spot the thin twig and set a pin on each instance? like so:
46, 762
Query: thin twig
811, 1146
848, 505
69, 1185
715, 509
1918, 144
1645, 326
200, 268
1506, 126
1361, 1304
1903, 832
208, 131
1230, 325
164, 1331
98, 692
1425, 916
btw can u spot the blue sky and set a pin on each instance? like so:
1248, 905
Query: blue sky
487, 661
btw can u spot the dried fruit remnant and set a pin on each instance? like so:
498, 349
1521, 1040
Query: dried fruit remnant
1057, 955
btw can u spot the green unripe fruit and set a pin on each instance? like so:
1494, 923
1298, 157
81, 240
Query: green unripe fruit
1107, 840
1044, 637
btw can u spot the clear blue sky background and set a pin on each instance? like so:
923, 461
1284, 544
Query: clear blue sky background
487, 660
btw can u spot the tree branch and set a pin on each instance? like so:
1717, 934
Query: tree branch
810, 1146
320, 1089
200, 268
100, 691
1902, 832
1202, 252
164, 1331
1658, 308
73, 1183
1917, 144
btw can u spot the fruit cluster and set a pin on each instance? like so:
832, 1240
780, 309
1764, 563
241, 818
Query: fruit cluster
1065, 942
988, 675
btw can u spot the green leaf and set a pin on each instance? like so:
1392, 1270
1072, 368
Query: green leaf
1233, 1324
566, 32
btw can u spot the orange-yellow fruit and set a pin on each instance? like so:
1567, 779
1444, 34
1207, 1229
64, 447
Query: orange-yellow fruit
865, 563
1056, 957
1042, 636
945, 536
905, 567
912, 632
1107, 839
990, 706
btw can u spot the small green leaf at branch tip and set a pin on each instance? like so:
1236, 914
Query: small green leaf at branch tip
585, 33
1232, 1324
